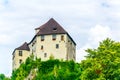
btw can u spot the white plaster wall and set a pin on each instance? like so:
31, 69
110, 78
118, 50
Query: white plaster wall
50, 47
16, 64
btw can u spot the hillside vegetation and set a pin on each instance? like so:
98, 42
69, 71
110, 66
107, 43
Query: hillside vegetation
47, 70
3, 77
102, 63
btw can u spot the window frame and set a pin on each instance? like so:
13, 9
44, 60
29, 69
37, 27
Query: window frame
20, 53
20, 61
45, 55
42, 47
57, 46
54, 37
62, 37
42, 37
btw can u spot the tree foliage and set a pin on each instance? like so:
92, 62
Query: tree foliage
3, 77
102, 63
52, 69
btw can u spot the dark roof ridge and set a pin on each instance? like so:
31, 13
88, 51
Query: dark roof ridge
24, 47
51, 19
51, 27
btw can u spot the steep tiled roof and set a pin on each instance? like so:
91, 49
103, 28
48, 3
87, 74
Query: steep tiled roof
24, 47
51, 27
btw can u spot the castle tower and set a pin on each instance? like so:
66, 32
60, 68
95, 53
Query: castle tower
19, 55
50, 40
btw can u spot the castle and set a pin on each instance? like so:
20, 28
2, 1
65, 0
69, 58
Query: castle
50, 40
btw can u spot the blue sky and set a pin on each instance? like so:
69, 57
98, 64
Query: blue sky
87, 21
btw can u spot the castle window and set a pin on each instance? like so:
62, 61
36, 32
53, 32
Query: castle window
54, 29
20, 53
20, 61
57, 46
54, 37
42, 37
45, 54
62, 38
42, 47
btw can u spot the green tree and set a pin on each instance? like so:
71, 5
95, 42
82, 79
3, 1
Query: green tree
3, 77
102, 63
52, 69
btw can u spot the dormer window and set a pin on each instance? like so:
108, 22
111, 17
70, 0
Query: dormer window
54, 29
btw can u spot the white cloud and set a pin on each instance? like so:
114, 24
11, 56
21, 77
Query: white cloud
114, 2
96, 34
1, 5
99, 33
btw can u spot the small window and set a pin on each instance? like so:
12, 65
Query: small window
54, 29
20, 61
57, 46
42, 38
20, 53
62, 38
54, 37
45, 54
42, 47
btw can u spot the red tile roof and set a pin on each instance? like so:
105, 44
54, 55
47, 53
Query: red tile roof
24, 47
51, 27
